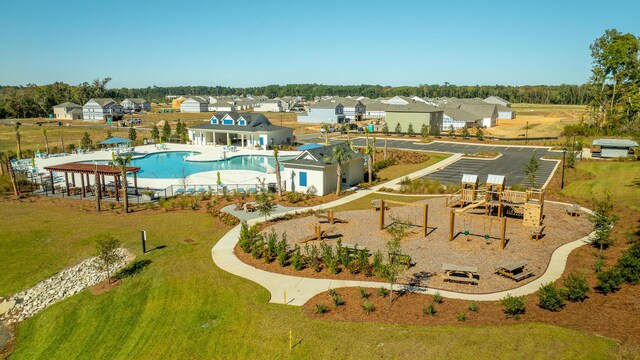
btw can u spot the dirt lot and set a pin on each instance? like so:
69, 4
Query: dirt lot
544, 120
428, 254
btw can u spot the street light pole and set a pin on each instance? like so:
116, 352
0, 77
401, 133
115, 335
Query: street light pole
564, 154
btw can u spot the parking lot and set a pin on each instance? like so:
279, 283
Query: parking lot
511, 164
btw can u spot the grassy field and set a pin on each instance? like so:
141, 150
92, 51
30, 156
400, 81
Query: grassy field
621, 179
183, 306
400, 170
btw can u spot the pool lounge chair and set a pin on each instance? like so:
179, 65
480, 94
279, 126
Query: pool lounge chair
180, 191
200, 190
189, 191
252, 190
240, 190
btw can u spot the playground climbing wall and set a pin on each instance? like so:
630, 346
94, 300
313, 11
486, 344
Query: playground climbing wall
532, 214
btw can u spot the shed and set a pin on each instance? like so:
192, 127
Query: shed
613, 148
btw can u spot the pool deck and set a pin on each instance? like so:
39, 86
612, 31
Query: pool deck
207, 153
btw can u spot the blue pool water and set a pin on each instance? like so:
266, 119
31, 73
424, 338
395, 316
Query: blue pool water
167, 165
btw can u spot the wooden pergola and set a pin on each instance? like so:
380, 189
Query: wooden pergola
92, 169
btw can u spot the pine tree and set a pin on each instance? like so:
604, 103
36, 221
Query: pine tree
410, 130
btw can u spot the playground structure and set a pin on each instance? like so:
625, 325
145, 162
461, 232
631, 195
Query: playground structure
496, 197
425, 213
329, 217
318, 234
468, 219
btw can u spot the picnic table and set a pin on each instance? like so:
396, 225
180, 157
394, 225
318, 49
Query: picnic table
460, 273
514, 270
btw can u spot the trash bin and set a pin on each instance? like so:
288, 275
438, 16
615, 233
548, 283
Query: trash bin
271, 187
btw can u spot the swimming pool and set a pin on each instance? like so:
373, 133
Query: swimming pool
171, 165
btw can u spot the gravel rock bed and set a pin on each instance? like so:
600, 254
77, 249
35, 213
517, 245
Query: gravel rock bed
428, 254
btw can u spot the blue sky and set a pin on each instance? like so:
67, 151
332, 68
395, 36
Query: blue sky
254, 43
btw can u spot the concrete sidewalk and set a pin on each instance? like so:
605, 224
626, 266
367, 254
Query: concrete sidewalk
295, 290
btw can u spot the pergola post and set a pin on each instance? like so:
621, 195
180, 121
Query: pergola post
452, 221
84, 194
242, 140
214, 138
53, 190
66, 181
135, 181
103, 183
424, 222
228, 140
382, 214
73, 179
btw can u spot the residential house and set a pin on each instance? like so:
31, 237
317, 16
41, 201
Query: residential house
99, 109
136, 104
497, 101
613, 148
375, 110
67, 111
243, 129
222, 105
505, 112
194, 104
323, 112
455, 119
353, 110
416, 114
272, 105
488, 112
315, 168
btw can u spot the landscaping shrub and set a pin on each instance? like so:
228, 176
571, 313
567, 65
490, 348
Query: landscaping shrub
629, 265
368, 306
333, 292
609, 281
228, 219
363, 293
425, 186
296, 258
313, 257
550, 297
337, 300
362, 263
576, 287
437, 298
513, 305
429, 310
599, 264
257, 249
320, 309
379, 165
472, 307
461, 316
135, 267
329, 258
272, 246
282, 250
294, 197
247, 237
378, 266
342, 255
382, 292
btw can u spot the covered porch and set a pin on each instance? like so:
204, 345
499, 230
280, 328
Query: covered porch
88, 172
241, 139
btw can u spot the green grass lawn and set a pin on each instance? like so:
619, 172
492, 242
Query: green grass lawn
396, 171
364, 203
621, 179
183, 306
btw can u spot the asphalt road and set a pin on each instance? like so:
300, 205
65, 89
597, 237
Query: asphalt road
511, 164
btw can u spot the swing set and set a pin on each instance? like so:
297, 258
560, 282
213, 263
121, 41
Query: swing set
467, 222
425, 213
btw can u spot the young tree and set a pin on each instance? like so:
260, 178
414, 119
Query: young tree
436, 131
265, 204
109, 134
394, 268
603, 220
155, 133
86, 141
410, 130
17, 130
46, 140
398, 129
465, 133
479, 134
531, 168
339, 156
278, 176
107, 248
166, 130
385, 129
424, 131
121, 162
325, 129
12, 176
132, 133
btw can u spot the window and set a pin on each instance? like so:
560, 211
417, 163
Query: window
303, 178
214, 121
242, 122
227, 122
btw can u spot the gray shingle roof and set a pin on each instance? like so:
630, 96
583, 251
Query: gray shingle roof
67, 105
136, 100
413, 106
325, 105
322, 156
103, 101
621, 143
485, 111
461, 115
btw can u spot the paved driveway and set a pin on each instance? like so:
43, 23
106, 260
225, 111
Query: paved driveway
511, 164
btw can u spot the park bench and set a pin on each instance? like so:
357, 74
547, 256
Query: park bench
514, 270
573, 210
376, 205
249, 207
460, 273
537, 232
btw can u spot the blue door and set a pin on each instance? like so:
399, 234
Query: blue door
303, 178
261, 141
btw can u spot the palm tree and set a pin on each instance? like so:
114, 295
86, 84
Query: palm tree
340, 155
278, 178
121, 162
46, 140
325, 127
17, 128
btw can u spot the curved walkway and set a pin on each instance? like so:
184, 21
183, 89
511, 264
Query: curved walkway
295, 290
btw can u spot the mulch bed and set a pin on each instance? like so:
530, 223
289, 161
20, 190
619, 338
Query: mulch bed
104, 286
428, 254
